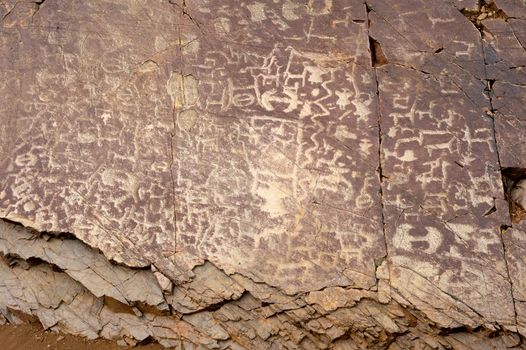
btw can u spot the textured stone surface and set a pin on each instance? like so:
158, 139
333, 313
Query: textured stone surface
264, 174
85, 265
504, 49
259, 317
279, 164
440, 168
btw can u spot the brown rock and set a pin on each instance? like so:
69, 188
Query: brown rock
264, 174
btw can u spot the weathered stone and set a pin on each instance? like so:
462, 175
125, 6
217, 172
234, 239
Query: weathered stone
264, 174
206, 323
331, 299
442, 192
83, 264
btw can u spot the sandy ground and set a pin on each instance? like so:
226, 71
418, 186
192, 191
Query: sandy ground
33, 337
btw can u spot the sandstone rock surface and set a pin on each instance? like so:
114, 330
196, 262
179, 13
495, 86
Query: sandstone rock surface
264, 174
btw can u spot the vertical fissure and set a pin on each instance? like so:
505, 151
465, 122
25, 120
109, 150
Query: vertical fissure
378, 59
173, 133
172, 178
502, 229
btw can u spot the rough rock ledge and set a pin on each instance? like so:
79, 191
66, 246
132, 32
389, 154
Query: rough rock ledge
311, 174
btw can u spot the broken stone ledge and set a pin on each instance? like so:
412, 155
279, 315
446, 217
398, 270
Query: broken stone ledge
264, 174
71, 287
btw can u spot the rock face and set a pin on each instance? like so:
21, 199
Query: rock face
264, 174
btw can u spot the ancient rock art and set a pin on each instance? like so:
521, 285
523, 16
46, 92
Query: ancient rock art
264, 174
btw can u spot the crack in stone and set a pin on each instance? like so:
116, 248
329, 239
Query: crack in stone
172, 178
273, 306
486, 10
39, 4
513, 177
9, 11
378, 59
183, 7
489, 92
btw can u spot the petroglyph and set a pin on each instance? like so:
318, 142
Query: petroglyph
264, 174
